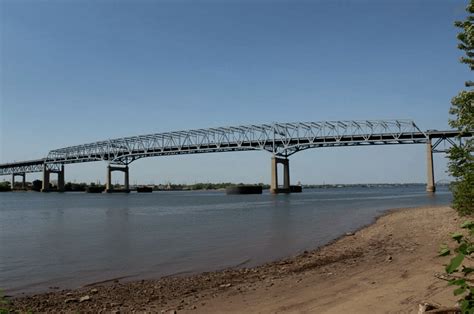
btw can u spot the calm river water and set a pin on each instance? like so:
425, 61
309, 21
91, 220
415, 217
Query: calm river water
71, 239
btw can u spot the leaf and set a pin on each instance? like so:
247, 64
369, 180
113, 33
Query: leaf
457, 236
468, 306
459, 290
444, 252
469, 224
457, 282
470, 248
463, 248
464, 304
467, 270
455, 263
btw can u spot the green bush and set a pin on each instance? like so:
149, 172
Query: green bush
458, 273
5, 186
461, 165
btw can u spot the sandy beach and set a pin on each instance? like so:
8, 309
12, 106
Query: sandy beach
387, 267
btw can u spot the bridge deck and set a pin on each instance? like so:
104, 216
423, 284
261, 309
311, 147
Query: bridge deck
27, 166
24, 163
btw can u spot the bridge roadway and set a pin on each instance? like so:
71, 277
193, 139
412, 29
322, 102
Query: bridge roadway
280, 139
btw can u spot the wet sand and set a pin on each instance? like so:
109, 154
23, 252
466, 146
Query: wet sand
389, 266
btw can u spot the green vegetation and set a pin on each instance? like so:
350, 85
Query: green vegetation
203, 186
5, 186
210, 186
464, 282
3, 303
214, 186
75, 187
461, 165
36, 185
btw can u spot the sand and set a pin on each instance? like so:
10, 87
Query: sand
387, 267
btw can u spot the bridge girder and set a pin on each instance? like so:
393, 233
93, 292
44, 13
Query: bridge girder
22, 167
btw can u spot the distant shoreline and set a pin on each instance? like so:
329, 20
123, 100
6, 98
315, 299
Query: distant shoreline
82, 187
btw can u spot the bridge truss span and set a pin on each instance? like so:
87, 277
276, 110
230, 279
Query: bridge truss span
281, 139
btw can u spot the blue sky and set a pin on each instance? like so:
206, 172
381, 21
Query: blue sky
79, 71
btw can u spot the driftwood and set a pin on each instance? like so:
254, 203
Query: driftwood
451, 277
430, 308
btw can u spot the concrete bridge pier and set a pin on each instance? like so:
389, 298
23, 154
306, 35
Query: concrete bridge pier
274, 188
61, 182
23, 184
45, 187
430, 184
109, 187
46, 178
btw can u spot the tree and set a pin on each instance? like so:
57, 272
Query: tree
37, 185
461, 165
5, 186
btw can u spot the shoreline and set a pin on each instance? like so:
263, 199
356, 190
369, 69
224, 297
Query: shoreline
231, 289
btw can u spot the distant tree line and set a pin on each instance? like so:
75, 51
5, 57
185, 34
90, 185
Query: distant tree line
202, 186
36, 185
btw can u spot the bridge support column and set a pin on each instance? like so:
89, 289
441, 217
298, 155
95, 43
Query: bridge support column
430, 184
274, 188
23, 183
46, 173
47, 178
108, 180
109, 187
61, 179
126, 183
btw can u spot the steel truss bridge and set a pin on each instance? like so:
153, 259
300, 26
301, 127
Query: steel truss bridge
280, 139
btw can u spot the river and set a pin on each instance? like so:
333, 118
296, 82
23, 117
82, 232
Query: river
67, 240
